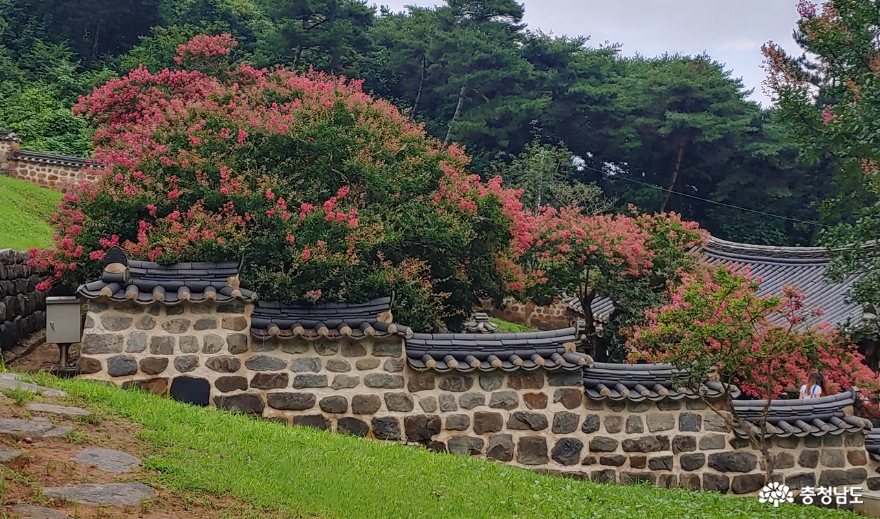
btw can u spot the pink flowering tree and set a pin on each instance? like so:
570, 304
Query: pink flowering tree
717, 328
325, 192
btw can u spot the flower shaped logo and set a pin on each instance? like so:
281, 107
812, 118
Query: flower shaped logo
776, 493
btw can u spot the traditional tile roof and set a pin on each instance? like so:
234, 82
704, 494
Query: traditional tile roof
872, 444
55, 160
817, 416
480, 324
145, 282
602, 307
466, 352
8, 136
331, 320
638, 382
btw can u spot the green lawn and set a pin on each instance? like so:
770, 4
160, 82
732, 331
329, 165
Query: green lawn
309, 473
509, 327
24, 209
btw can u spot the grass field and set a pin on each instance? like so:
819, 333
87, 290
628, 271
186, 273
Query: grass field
24, 209
509, 327
307, 473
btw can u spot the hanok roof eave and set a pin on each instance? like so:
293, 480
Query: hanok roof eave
640, 382
327, 320
55, 159
816, 417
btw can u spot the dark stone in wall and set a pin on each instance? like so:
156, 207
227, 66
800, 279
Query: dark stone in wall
191, 390
486, 422
783, 460
88, 365
812, 442
458, 422
121, 365
615, 460
456, 383
668, 405
213, 344
748, 483
491, 381
137, 342
98, 344
345, 382
146, 322
205, 324
856, 457
236, 343
115, 323
153, 365
227, 384
638, 462
634, 424
421, 428
353, 349
809, 459
365, 404
716, 483
565, 423
352, 426
387, 428
832, 458
603, 444
383, 381
504, 400
733, 461
436, 446
712, 442
315, 421
365, 364
305, 364
684, 444
589, 460
638, 407
535, 400
428, 404
447, 403
807, 479
834, 477
830, 440
667, 481
472, 400
236, 324
338, 366
420, 382
532, 450
176, 326
854, 440
325, 347
613, 424
790, 442
188, 344
230, 308
265, 363
174, 310
635, 478
661, 463
604, 476
334, 404
616, 406
873, 484
565, 378
524, 420
291, 401
691, 481
308, 381
591, 424
692, 461
643, 444
223, 364
388, 349
571, 398
270, 380
521, 380
248, 403
500, 447
394, 365
689, 422
696, 405
186, 363
465, 445
155, 386
399, 402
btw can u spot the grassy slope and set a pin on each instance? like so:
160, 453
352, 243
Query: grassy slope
24, 208
509, 327
312, 473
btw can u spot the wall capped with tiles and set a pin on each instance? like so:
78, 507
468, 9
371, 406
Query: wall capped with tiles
55, 172
22, 307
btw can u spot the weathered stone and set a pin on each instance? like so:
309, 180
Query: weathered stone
589, 460
294, 347
230, 308
399, 402
500, 447
235, 324
37, 512
188, 344
115, 323
642, 444
334, 404
830, 440
205, 324
417, 381
747, 483
174, 310
668, 405
236, 343
565, 378
154, 386
565, 422
366, 364
465, 445
525, 420
491, 381
638, 462
306, 364
661, 463
638, 407
636, 478
190, 390
223, 364
186, 363
20, 429
153, 365
121, 365
345, 382
472, 400
873, 483
98, 344
832, 458
733, 461
741, 443
161, 345
314, 421
692, 461
836, 478
354, 349
428, 404
524, 380
659, 422
387, 428
97, 306
227, 384
807, 479
689, 422
107, 460
88, 366
634, 424
667, 481
782, 460
613, 424
615, 460
458, 422
591, 424
854, 440
212, 344
365, 404
504, 400
567, 451
270, 380
716, 483
696, 405
604, 476
616, 406
146, 322
308, 380
809, 459
249, 403
570, 397
136, 342
691, 481
532, 450
456, 383
383, 381
856, 457
486, 422
176, 325
421, 428
603, 444
352, 426
812, 442
394, 365
388, 349
790, 442
338, 366
535, 400
112, 494
715, 423
58, 409
712, 442
292, 401
448, 404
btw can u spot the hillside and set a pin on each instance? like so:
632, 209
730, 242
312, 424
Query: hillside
24, 209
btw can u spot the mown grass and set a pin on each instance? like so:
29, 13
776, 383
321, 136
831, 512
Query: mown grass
310, 473
24, 209
509, 327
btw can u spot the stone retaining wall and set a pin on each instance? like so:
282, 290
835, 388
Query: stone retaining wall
22, 307
53, 172
551, 317
538, 420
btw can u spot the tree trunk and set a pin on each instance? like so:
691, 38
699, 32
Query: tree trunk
299, 52
415, 108
95, 44
674, 177
461, 94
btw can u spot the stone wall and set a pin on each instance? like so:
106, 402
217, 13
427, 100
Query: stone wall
22, 307
538, 420
551, 317
54, 172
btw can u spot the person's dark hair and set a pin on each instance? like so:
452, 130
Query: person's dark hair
817, 379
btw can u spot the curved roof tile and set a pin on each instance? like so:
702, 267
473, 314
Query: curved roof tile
638, 382
331, 320
816, 416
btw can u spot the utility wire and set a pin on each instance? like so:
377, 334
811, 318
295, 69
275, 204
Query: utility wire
621, 177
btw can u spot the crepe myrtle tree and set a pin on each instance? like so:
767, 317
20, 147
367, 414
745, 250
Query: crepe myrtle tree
325, 192
716, 330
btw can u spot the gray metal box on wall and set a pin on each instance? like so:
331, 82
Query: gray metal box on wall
63, 320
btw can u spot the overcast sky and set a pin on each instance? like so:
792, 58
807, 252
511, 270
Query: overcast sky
731, 31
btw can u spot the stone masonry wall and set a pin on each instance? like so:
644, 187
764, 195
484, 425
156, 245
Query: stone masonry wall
58, 177
551, 317
22, 307
537, 420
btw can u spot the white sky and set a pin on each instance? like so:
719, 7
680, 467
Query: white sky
730, 31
